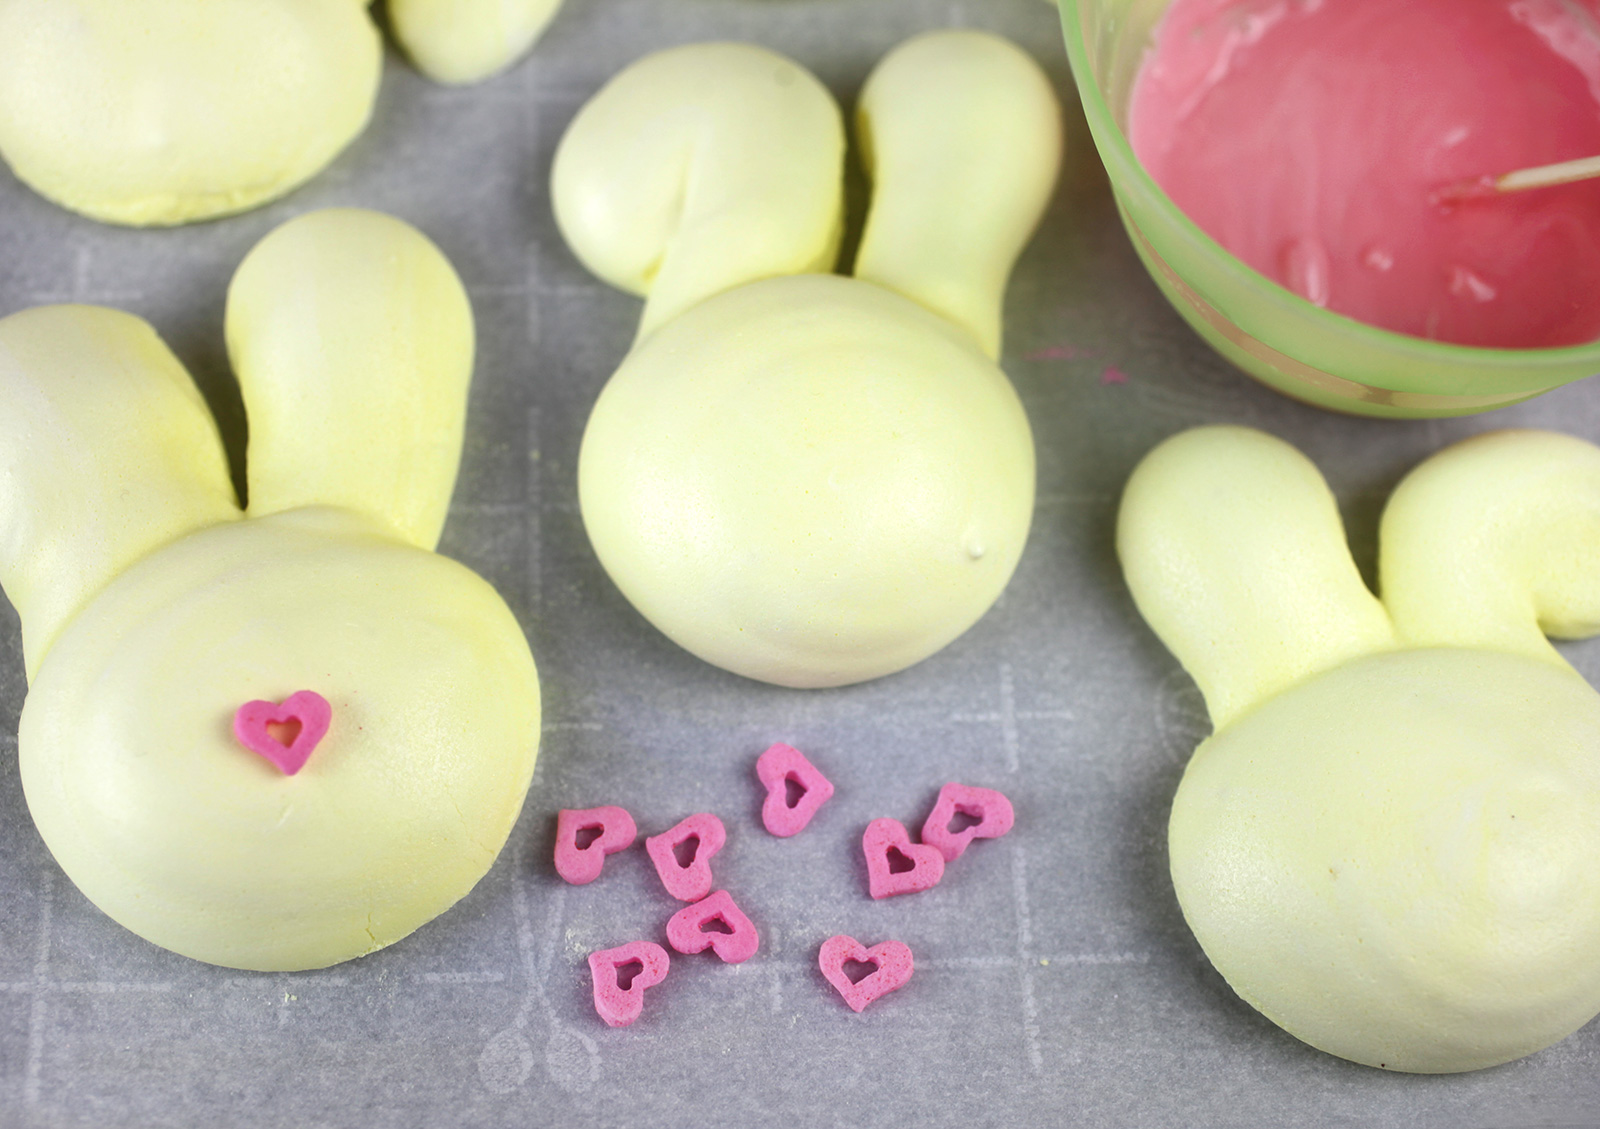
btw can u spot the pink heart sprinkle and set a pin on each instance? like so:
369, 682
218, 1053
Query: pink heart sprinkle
692, 881
614, 830
991, 809
305, 713
617, 1005
893, 959
886, 837
687, 932
777, 768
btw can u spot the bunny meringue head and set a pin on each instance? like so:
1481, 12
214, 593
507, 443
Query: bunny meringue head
153, 608
155, 112
167, 111
800, 477
463, 41
1387, 845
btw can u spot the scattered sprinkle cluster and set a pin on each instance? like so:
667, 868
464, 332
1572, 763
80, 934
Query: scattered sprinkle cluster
796, 790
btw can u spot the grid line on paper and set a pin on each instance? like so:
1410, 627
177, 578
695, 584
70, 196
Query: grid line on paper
32, 1071
40, 987
1097, 958
533, 499
775, 989
82, 285
577, 290
506, 1061
462, 977
981, 961
286, 988
496, 289
89, 987
490, 509
1007, 717
532, 290
476, 93
1085, 498
1030, 1003
1019, 871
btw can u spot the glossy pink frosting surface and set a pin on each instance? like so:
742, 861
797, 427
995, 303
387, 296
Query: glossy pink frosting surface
1310, 138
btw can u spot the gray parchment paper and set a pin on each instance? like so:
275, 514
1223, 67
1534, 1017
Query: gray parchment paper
1056, 983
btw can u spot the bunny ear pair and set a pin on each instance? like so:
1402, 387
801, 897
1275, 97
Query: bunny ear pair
352, 340
1233, 548
705, 167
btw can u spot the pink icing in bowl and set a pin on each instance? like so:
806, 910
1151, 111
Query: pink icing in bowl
1276, 335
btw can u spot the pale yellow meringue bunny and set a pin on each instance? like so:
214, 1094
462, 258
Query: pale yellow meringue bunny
151, 112
805, 478
156, 615
1389, 844
461, 41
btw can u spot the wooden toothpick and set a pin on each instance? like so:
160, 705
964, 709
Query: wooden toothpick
1483, 187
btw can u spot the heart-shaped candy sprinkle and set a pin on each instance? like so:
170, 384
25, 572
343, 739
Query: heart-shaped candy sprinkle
643, 963
685, 868
782, 768
893, 959
896, 865
991, 811
284, 732
585, 836
735, 942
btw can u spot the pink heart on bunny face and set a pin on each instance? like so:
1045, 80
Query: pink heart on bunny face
893, 959
284, 732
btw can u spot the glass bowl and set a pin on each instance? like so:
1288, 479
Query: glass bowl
1270, 332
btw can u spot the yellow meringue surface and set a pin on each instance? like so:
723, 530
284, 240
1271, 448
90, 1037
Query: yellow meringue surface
153, 608
356, 393
107, 452
803, 478
462, 41
1387, 844
166, 111
808, 507
698, 168
138, 786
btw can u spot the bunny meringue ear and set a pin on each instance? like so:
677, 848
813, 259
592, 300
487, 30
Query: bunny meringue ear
461, 41
960, 133
1232, 546
352, 339
698, 169
107, 452
1494, 543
